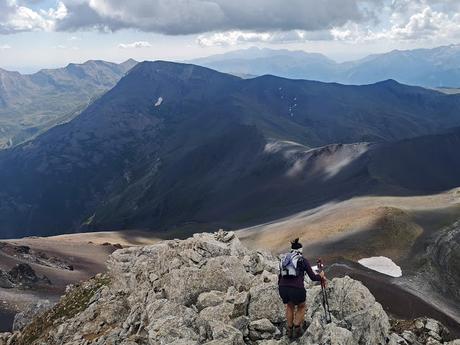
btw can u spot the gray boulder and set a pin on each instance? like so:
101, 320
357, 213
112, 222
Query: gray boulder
330, 334
185, 284
5, 280
210, 299
265, 303
352, 307
262, 329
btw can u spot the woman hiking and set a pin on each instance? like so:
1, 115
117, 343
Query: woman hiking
293, 267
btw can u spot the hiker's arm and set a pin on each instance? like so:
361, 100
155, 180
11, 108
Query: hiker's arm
313, 276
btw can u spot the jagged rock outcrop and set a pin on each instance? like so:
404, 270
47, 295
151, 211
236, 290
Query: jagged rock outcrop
26, 316
443, 257
33, 256
208, 289
424, 331
22, 276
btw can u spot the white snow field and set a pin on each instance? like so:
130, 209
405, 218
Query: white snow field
383, 265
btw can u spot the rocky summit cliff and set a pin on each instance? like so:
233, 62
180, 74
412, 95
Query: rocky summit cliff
209, 289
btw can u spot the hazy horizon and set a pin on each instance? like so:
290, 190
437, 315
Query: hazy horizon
36, 34
34, 69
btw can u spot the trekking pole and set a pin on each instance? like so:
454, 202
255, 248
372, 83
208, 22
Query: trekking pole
327, 312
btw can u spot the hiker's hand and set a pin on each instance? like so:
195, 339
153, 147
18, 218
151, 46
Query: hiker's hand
323, 278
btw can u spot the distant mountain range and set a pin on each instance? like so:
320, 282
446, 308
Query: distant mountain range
30, 104
177, 145
438, 67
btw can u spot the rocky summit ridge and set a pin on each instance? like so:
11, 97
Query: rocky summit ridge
209, 289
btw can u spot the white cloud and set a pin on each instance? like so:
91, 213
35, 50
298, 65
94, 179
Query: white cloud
428, 24
16, 18
231, 38
176, 17
229, 23
422, 23
4, 46
58, 14
138, 44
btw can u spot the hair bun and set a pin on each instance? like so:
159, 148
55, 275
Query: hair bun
296, 244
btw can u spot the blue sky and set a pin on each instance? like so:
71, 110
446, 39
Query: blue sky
49, 33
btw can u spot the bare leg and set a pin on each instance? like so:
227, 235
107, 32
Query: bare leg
300, 315
290, 314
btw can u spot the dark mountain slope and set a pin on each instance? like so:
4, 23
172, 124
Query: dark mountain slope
426, 164
337, 113
30, 104
173, 144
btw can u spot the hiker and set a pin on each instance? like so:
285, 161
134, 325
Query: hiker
293, 267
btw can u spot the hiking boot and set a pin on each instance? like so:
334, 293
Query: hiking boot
298, 331
290, 332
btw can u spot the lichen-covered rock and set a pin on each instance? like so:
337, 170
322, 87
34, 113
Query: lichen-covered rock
210, 299
330, 334
395, 339
420, 331
208, 289
25, 317
352, 307
262, 329
185, 284
4, 338
265, 303
225, 333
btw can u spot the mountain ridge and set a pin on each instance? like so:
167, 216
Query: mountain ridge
33, 103
204, 154
435, 67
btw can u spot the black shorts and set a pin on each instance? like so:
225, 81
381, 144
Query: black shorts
292, 295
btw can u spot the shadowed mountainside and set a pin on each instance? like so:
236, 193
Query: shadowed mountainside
176, 144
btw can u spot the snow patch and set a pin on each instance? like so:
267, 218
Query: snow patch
383, 265
159, 101
286, 146
342, 159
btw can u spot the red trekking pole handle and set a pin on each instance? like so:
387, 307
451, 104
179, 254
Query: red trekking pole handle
320, 266
327, 312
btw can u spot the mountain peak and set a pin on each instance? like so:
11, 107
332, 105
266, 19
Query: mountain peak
130, 63
389, 82
180, 71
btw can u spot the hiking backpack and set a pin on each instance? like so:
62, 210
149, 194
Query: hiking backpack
288, 264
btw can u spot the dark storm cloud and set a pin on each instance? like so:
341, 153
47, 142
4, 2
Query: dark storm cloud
175, 17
